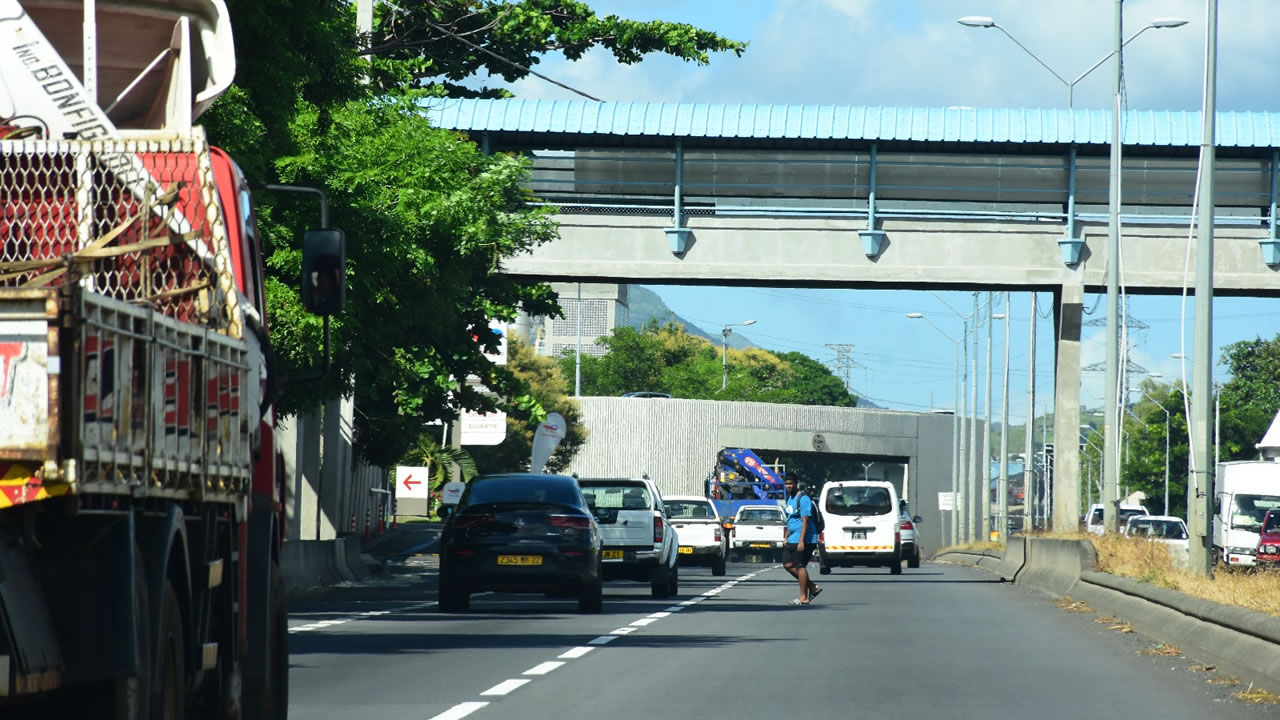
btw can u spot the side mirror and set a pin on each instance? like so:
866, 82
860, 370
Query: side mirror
916, 519
324, 271
444, 511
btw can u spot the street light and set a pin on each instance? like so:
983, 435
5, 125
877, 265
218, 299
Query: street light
956, 421
979, 21
724, 350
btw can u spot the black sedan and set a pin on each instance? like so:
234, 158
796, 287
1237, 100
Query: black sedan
520, 533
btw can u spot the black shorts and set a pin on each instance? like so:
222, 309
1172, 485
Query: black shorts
797, 559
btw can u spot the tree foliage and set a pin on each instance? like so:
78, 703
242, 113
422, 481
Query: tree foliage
665, 358
428, 218
548, 386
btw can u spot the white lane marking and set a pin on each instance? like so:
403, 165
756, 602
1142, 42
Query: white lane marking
644, 621
674, 609
602, 640
574, 653
459, 711
687, 603
660, 615
543, 668
506, 686
623, 631
320, 624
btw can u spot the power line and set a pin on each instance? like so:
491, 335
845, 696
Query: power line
512, 63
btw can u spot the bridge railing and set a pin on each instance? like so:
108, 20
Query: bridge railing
1031, 188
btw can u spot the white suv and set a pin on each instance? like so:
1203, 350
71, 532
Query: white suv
638, 541
910, 539
863, 526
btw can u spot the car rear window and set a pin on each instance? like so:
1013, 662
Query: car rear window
619, 496
689, 509
523, 490
765, 517
859, 500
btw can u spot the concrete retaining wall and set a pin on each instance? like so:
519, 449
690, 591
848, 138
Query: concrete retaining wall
314, 563
1241, 642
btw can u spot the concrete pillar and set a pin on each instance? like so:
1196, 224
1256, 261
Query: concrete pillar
1066, 408
302, 467
286, 443
335, 473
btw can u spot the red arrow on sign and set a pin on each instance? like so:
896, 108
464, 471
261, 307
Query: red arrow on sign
409, 482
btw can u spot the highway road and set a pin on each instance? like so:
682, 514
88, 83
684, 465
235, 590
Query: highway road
939, 642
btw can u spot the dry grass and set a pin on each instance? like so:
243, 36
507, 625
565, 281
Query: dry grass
974, 547
1257, 697
1150, 562
1223, 680
1075, 606
1162, 650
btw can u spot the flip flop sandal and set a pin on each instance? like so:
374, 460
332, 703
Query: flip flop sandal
816, 592
797, 601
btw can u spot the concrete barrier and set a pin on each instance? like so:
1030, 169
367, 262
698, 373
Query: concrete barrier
1055, 565
1015, 554
316, 563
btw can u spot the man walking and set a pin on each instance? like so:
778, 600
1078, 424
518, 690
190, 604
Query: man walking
801, 538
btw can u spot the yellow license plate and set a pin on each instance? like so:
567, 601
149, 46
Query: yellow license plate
611, 555
761, 545
519, 559
686, 550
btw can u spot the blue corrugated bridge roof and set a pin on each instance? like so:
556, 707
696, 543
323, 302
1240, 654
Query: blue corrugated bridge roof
1154, 128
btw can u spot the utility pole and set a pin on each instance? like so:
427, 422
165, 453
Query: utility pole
975, 491
1111, 419
1002, 523
985, 477
1200, 502
1028, 458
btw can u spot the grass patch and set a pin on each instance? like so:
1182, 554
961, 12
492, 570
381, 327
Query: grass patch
1223, 680
1150, 562
1162, 650
1075, 606
975, 547
1257, 697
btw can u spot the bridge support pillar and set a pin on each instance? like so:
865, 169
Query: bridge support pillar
1066, 408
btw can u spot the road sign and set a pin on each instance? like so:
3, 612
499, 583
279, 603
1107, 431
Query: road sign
451, 493
946, 501
483, 429
411, 482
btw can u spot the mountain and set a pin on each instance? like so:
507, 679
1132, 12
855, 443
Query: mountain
644, 305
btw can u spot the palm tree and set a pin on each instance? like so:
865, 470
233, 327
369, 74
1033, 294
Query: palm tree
440, 462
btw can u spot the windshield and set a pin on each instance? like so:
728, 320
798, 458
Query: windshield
859, 500
1162, 529
1272, 522
522, 490
689, 510
764, 516
1250, 509
620, 496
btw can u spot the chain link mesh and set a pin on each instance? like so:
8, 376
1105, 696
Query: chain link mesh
134, 220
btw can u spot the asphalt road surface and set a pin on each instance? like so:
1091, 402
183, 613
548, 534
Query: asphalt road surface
939, 642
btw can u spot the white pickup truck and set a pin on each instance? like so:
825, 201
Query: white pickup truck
758, 530
699, 531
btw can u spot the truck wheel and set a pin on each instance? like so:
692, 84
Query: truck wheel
914, 560
169, 679
717, 566
673, 582
895, 565
659, 581
591, 598
824, 569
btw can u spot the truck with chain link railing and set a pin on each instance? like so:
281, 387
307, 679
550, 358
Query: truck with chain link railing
141, 504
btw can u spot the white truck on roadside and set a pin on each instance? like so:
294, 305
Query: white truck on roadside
1246, 490
757, 530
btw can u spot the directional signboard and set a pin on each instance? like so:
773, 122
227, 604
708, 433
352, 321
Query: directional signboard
411, 482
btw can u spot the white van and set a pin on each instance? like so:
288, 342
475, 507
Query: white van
861, 519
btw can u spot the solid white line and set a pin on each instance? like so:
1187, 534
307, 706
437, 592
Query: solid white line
543, 668
460, 710
573, 653
505, 687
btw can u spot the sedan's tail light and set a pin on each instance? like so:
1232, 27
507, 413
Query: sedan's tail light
906, 525
719, 535
570, 521
467, 521
658, 530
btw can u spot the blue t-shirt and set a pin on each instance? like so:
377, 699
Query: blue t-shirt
800, 506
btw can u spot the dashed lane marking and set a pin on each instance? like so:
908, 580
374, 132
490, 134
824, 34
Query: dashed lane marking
574, 653
321, 624
506, 686
543, 668
459, 711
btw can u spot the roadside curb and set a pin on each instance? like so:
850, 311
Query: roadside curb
1241, 642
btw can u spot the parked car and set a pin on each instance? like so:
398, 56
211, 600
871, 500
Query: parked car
862, 526
520, 533
1165, 529
699, 530
907, 531
1269, 539
1093, 518
757, 530
639, 543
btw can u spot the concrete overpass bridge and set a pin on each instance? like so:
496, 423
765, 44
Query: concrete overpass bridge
867, 197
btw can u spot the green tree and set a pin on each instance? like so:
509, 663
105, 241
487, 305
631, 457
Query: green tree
441, 461
428, 217
1250, 399
1144, 469
548, 386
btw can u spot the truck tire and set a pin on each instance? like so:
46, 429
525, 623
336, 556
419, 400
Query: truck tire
824, 569
169, 678
914, 561
673, 581
659, 581
895, 565
717, 566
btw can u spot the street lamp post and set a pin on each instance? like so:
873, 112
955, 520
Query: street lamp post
956, 423
977, 21
724, 350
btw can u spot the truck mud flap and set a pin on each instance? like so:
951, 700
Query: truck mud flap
30, 659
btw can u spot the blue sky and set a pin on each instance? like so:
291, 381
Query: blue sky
912, 52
